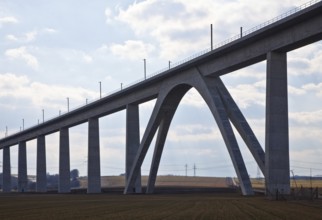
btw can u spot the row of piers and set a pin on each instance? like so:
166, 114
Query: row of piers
93, 169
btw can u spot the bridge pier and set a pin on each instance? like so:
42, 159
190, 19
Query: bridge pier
6, 170
22, 167
41, 164
64, 161
277, 140
132, 144
93, 163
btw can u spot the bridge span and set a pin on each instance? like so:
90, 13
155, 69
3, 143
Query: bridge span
270, 43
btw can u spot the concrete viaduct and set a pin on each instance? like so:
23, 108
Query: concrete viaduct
270, 43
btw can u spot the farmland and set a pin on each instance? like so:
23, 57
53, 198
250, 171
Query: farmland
182, 206
193, 205
118, 181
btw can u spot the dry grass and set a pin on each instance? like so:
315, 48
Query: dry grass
298, 183
118, 181
186, 206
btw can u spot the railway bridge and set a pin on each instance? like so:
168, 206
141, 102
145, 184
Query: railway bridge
271, 43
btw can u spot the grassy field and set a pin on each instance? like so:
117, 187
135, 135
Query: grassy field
183, 206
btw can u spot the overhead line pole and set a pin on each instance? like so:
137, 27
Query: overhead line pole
211, 37
144, 61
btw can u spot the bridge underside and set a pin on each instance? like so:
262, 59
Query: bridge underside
274, 164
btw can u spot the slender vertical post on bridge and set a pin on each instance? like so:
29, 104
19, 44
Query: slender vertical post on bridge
41, 164
144, 62
67, 104
211, 37
6, 170
22, 167
277, 165
64, 161
132, 143
93, 163
100, 83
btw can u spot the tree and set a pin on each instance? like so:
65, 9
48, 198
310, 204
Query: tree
74, 174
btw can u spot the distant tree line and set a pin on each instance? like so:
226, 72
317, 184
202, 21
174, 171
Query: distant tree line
52, 181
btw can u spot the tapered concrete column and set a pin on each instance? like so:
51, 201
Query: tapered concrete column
132, 143
22, 167
64, 164
277, 166
159, 145
6, 170
94, 171
239, 121
41, 164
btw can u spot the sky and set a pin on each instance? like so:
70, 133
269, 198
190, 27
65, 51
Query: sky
51, 51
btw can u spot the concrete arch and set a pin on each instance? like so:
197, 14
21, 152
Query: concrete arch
164, 110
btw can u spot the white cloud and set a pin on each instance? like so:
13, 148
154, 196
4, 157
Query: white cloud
132, 49
108, 14
305, 61
49, 30
68, 56
249, 94
306, 118
312, 87
317, 59
193, 133
11, 37
40, 94
9, 81
193, 98
295, 91
22, 53
8, 20
87, 58
182, 27
31, 35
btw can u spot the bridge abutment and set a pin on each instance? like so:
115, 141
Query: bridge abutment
94, 166
64, 161
41, 164
132, 144
277, 165
6, 170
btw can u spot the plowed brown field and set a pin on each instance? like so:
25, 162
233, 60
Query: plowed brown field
183, 206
